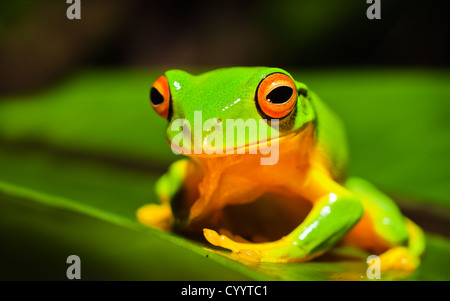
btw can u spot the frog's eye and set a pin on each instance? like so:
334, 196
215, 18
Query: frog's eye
160, 96
276, 95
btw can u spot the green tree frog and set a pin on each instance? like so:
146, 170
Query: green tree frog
290, 211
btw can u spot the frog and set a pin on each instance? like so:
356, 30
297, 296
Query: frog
294, 210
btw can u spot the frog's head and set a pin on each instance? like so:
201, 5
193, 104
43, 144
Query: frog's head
199, 107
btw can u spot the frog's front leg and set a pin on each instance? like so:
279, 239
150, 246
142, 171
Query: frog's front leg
335, 212
181, 178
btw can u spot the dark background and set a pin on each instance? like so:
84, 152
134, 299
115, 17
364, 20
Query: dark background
39, 45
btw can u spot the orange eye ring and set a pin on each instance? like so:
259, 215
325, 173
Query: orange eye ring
276, 95
160, 96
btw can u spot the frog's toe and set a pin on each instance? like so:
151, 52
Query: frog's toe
250, 255
242, 247
156, 216
398, 258
220, 240
225, 242
236, 238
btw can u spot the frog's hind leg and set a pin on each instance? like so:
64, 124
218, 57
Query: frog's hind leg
383, 229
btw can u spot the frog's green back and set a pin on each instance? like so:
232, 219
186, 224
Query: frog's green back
331, 137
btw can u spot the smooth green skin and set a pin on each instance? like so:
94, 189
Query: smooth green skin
333, 215
223, 94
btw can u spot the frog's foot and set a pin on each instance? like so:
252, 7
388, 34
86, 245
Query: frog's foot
156, 216
399, 258
282, 250
236, 238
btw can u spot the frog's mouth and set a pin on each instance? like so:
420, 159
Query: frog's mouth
258, 147
268, 218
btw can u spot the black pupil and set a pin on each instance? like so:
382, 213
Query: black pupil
280, 95
155, 97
